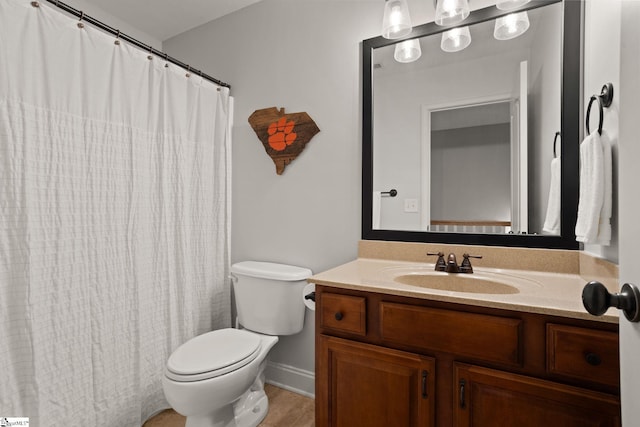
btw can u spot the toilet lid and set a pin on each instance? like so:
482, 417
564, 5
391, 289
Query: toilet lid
213, 354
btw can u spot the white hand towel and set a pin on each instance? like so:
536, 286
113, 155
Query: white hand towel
604, 227
552, 221
591, 188
376, 205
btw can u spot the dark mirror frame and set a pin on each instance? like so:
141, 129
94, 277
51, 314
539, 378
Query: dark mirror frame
570, 127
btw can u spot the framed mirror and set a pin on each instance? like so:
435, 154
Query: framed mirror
459, 145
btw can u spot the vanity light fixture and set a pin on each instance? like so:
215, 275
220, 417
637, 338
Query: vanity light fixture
511, 4
396, 22
456, 39
511, 26
451, 12
407, 51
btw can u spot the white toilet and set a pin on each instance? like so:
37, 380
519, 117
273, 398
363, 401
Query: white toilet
217, 379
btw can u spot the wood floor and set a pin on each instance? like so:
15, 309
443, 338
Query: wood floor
286, 409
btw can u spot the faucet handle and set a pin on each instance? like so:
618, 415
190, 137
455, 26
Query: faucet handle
441, 265
465, 266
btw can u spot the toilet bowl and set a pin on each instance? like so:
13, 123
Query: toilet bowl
223, 392
217, 379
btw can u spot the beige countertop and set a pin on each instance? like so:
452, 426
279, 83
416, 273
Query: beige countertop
557, 294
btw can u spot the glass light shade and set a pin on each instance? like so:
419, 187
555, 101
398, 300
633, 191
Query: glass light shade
511, 26
455, 39
451, 12
407, 51
396, 22
511, 4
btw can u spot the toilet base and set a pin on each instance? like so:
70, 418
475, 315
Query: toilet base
221, 418
251, 409
248, 411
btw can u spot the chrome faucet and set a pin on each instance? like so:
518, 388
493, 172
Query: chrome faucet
451, 264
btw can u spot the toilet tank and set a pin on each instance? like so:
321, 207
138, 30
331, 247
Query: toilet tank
269, 296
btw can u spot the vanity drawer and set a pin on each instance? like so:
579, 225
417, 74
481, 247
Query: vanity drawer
584, 354
479, 336
344, 313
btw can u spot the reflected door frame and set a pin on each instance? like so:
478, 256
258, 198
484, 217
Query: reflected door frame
425, 146
519, 153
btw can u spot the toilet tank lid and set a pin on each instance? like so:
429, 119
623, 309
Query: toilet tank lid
271, 270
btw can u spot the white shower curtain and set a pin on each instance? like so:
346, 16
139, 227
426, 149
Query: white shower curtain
114, 219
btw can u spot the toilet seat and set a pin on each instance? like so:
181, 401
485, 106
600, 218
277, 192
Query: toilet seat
213, 354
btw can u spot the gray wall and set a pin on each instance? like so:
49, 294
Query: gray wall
471, 173
303, 55
603, 39
545, 65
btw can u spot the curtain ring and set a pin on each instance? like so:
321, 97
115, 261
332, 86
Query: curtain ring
150, 56
166, 60
593, 98
188, 71
80, 24
117, 40
35, 4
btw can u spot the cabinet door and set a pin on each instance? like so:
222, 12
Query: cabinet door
365, 385
489, 398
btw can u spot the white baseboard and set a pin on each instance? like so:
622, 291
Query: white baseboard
291, 378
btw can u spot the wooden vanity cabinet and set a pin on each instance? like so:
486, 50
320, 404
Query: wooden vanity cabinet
375, 386
489, 398
384, 360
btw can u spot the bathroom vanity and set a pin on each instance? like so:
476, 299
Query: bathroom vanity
391, 353
399, 344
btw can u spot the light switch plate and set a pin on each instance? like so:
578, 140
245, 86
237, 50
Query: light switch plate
411, 205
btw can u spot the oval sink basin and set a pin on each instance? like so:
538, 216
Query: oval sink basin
457, 283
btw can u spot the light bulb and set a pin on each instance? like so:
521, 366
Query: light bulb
511, 26
396, 22
407, 51
456, 39
451, 12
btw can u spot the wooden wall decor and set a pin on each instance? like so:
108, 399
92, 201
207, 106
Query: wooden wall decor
283, 136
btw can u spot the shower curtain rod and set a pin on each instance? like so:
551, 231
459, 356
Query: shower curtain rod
148, 48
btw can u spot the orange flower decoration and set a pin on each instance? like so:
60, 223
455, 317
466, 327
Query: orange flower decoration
281, 134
